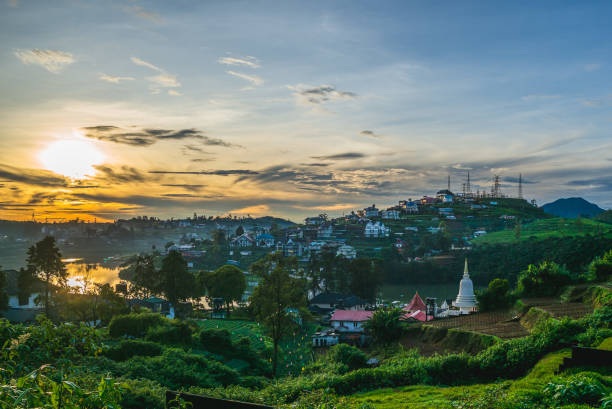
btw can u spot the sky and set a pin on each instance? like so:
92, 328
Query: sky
118, 108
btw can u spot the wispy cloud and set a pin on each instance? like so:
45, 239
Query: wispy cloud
161, 80
34, 177
341, 156
113, 79
253, 79
12, 3
592, 67
247, 61
369, 133
136, 136
540, 97
51, 60
222, 172
138, 11
307, 94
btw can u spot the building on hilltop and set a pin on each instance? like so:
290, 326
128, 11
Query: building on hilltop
347, 251
466, 300
376, 230
372, 211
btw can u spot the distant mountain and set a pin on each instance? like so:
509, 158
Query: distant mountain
572, 207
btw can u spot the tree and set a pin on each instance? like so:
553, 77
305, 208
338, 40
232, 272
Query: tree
176, 282
4, 298
226, 282
239, 231
517, 231
145, 278
271, 301
45, 262
601, 267
544, 279
366, 277
264, 266
385, 326
497, 296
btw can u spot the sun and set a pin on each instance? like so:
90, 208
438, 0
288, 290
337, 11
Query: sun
71, 157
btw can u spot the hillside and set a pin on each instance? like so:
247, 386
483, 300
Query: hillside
546, 228
572, 207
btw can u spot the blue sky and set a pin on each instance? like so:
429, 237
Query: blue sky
293, 108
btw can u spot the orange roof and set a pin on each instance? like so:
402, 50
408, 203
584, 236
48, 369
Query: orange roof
416, 304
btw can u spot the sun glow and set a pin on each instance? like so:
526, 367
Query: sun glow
71, 157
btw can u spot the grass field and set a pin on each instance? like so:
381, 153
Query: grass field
426, 397
295, 350
545, 228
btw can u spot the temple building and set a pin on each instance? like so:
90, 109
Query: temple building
466, 300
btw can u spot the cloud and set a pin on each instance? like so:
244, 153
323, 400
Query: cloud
12, 3
539, 97
253, 79
592, 67
307, 94
315, 164
174, 93
247, 61
34, 177
161, 80
123, 174
599, 184
193, 188
512, 179
341, 156
51, 60
136, 136
114, 80
145, 14
369, 133
591, 102
261, 209
144, 63
207, 172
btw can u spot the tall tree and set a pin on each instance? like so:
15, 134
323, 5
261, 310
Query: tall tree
271, 301
239, 231
4, 298
176, 282
226, 282
45, 262
145, 278
366, 277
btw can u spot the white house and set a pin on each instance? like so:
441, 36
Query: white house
375, 230
264, 240
350, 320
325, 338
391, 214
325, 231
347, 251
244, 240
372, 211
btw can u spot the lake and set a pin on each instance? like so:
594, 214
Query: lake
82, 275
448, 291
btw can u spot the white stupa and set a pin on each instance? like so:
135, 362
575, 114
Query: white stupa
466, 300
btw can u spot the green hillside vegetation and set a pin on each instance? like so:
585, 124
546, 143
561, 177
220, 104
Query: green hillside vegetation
547, 228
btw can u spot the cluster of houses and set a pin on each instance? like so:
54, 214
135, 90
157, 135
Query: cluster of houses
349, 314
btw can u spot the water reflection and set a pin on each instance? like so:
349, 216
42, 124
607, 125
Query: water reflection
81, 277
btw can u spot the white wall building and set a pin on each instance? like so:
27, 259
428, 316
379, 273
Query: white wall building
375, 230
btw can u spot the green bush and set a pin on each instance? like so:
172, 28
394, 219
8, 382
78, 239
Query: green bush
129, 348
135, 325
579, 388
544, 279
348, 355
216, 340
173, 333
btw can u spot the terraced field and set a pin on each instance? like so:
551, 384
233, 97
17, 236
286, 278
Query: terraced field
497, 323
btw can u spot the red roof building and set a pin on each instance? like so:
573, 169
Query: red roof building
416, 304
351, 315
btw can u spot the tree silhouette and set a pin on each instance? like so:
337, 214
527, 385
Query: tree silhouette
45, 262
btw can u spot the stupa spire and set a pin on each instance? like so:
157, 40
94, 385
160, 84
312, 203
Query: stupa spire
466, 273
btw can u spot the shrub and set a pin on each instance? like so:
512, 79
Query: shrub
216, 340
579, 388
135, 325
173, 333
129, 348
544, 279
385, 325
348, 355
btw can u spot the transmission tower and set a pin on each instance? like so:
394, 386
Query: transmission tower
520, 196
495, 190
448, 183
468, 186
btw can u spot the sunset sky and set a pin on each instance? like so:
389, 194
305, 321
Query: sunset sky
111, 109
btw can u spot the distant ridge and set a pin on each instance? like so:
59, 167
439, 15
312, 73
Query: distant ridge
572, 207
